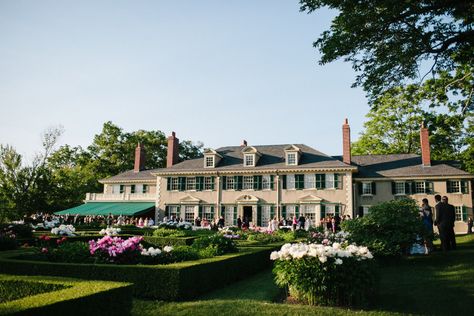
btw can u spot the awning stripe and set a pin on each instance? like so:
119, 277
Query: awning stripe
104, 208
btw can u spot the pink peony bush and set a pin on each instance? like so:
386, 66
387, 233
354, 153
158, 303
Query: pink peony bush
116, 250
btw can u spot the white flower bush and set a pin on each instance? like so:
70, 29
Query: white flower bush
64, 230
152, 252
168, 249
110, 231
312, 273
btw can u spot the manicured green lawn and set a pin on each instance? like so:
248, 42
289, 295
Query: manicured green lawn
440, 284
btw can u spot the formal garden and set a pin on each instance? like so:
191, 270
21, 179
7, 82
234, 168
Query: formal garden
173, 269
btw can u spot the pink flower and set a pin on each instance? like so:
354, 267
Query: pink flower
44, 250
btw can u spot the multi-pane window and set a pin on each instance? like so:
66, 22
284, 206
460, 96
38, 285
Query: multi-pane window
266, 217
309, 181
191, 183
420, 187
290, 211
330, 210
174, 184
230, 183
290, 181
365, 209
400, 188
367, 188
209, 161
207, 212
329, 181
458, 213
291, 159
247, 183
309, 211
189, 213
229, 215
132, 188
122, 189
115, 189
249, 160
173, 211
266, 182
145, 188
207, 183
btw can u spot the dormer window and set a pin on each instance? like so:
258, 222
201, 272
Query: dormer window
211, 158
249, 160
291, 159
293, 154
209, 161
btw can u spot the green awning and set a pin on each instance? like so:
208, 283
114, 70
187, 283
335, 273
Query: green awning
104, 208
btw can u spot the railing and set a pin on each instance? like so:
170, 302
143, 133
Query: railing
120, 197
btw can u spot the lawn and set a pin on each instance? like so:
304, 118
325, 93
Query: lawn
440, 284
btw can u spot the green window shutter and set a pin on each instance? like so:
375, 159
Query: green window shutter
182, 183
448, 187
359, 188
168, 184
224, 182
212, 183
464, 213
323, 211
429, 187
178, 211
338, 181
200, 212
464, 187
272, 184
337, 210
283, 211
260, 182
407, 188
212, 212
199, 183
297, 211
235, 215
223, 211
299, 181
238, 183
167, 210
374, 188
272, 211
394, 188
320, 181
283, 181
259, 215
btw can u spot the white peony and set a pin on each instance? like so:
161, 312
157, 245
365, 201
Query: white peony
168, 249
338, 261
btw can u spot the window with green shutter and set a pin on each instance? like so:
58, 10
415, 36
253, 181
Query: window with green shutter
320, 181
283, 211
464, 187
299, 181
259, 215
199, 183
182, 183
337, 210
464, 213
168, 184
200, 213
272, 182
257, 182
323, 211
272, 211
212, 183
338, 181
429, 187
297, 211
224, 182
238, 183
283, 182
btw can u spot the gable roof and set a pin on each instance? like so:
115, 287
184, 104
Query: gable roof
131, 176
402, 165
272, 157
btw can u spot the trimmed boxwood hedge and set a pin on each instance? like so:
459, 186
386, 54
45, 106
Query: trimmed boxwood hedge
74, 297
178, 281
168, 241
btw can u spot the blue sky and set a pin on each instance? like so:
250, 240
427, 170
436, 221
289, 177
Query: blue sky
213, 71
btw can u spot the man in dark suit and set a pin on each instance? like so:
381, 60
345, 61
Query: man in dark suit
442, 222
451, 218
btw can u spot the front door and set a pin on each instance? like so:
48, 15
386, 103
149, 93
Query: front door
247, 214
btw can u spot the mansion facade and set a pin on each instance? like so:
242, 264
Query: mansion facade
262, 182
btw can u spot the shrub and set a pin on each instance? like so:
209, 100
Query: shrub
11, 290
167, 241
221, 244
168, 232
289, 235
75, 252
7, 241
265, 238
326, 275
20, 230
327, 237
116, 250
390, 228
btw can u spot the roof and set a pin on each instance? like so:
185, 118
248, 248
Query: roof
130, 175
272, 157
401, 165
104, 208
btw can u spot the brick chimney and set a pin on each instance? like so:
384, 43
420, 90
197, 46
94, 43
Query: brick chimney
173, 150
139, 158
244, 143
425, 146
346, 142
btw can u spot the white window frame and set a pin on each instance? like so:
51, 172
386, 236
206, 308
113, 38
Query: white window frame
266, 182
310, 181
230, 183
209, 161
247, 183
457, 184
330, 209
292, 159
397, 187
266, 209
290, 211
290, 182
206, 212
229, 215
330, 182
190, 183
420, 186
174, 184
189, 209
309, 211
116, 189
207, 183
173, 210
367, 188
249, 160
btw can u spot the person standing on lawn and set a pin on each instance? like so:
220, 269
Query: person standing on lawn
469, 225
442, 222
452, 218
426, 213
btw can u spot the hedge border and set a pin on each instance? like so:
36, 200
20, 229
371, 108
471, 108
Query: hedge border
173, 282
80, 298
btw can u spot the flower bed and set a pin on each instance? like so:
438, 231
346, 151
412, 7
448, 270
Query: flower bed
110, 231
338, 275
64, 230
39, 295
